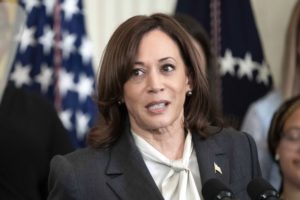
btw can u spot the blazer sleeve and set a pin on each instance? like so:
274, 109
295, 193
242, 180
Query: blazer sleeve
62, 180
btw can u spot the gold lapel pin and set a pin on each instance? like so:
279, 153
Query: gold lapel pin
217, 168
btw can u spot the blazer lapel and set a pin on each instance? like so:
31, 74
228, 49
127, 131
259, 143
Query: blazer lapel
212, 160
129, 175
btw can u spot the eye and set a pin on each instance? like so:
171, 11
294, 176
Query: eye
137, 72
292, 134
168, 68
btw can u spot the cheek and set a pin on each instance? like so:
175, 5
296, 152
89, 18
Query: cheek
286, 157
130, 92
286, 167
132, 108
133, 98
130, 102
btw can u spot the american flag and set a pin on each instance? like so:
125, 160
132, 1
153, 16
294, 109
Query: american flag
245, 74
54, 58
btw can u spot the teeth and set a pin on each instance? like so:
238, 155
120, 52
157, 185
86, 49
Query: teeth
157, 106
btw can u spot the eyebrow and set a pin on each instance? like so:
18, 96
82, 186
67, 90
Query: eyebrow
160, 60
166, 58
293, 127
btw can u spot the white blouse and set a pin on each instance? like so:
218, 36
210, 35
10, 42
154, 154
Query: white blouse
176, 179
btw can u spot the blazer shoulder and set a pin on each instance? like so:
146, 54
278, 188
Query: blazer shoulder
230, 135
236, 141
240, 144
87, 156
81, 164
70, 173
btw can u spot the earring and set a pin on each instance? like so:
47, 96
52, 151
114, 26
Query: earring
189, 93
277, 157
120, 102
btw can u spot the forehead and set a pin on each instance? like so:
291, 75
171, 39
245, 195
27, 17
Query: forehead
156, 43
294, 116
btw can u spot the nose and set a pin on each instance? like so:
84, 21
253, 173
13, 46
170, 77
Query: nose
155, 82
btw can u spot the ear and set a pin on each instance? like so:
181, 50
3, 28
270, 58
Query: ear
189, 83
277, 157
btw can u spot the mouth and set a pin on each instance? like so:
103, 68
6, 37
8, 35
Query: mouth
158, 106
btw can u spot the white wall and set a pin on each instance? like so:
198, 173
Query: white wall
103, 16
272, 17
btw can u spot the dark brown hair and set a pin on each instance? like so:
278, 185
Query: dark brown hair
115, 69
194, 28
278, 122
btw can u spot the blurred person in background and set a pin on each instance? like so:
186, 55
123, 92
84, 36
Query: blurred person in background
258, 117
31, 131
284, 146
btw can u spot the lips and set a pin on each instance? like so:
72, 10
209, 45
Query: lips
158, 106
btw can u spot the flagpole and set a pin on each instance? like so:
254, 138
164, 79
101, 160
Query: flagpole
57, 54
215, 32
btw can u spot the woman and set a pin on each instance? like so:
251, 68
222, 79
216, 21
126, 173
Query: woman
153, 140
259, 115
284, 145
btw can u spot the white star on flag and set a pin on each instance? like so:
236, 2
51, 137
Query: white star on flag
263, 74
66, 82
65, 117
82, 121
44, 78
84, 87
67, 44
70, 8
86, 50
20, 75
46, 40
27, 38
246, 67
227, 63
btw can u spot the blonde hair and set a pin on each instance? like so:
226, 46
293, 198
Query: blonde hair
291, 60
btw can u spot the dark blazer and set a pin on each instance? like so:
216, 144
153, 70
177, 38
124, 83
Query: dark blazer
120, 171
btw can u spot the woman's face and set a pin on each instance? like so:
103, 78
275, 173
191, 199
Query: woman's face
289, 150
155, 93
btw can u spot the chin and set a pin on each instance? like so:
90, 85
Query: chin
156, 126
159, 125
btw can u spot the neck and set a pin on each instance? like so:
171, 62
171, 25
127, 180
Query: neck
168, 141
